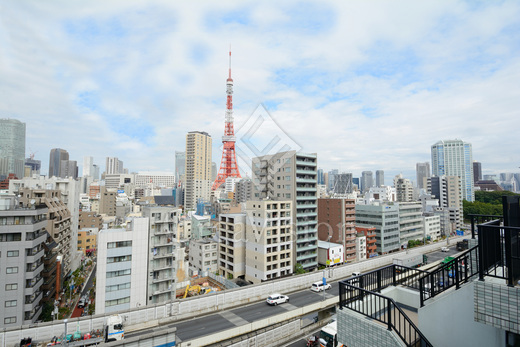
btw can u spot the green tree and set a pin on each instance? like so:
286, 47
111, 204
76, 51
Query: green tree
298, 269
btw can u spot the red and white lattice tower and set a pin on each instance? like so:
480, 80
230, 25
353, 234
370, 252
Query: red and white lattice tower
228, 165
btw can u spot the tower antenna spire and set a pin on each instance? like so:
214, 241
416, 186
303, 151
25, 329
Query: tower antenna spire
228, 165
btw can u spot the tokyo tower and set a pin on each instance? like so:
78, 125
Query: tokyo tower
228, 165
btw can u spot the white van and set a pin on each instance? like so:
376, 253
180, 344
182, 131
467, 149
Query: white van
318, 286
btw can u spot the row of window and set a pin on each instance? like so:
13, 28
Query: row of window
119, 244
119, 259
117, 287
118, 273
10, 237
117, 301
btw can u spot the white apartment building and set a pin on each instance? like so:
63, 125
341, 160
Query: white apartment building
156, 179
232, 241
122, 274
330, 254
361, 248
432, 227
403, 189
269, 246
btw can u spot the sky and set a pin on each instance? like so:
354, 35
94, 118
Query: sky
366, 85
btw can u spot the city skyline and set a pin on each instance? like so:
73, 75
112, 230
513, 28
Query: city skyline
381, 82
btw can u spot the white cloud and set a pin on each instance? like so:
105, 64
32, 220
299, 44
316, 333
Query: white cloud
366, 85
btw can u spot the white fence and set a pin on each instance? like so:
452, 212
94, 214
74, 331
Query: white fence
151, 316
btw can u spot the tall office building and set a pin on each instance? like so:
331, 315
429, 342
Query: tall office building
367, 181
477, 172
455, 158
380, 178
69, 168
12, 147
423, 172
88, 166
331, 179
180, 162
320, 177
57, 157
114, 166
293, 175
198, 169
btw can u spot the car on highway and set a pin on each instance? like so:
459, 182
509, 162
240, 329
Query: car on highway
275, 299
319, 286
445, 249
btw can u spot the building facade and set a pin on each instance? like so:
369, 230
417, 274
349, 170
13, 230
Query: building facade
292, 175
269, 246
384, 217
232, 241
422, 171
57, 158
380, 178
198, 169
336, 223
22, 237
367, 181
121, 278
410, 222
455, 158
403, 189
12, 148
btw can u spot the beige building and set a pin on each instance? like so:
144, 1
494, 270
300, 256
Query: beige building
403, 189
198, 168
269, 246
107, 201
88, 219
232, 253
87, 240
59, 222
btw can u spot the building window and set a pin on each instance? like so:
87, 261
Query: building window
11, 270
9, 320
12, 286
119, 244
10, 303
117, 301
13, 253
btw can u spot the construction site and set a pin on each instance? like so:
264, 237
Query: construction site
199, 286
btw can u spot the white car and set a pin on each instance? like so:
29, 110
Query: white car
275, 299
445, 249
319, 286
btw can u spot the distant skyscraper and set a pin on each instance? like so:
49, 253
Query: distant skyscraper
69, 168
198, 168
88, 166
114, 166
33, 164
477, 172
56, 158
331, 177
423, 171
214, 171
12, 147
367, 181
455, 158
320, 177
380, 178
96, 171
180, 162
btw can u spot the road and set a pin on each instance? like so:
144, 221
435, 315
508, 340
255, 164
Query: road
86, 288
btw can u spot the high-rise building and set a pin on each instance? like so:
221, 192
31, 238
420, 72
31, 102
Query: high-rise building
244, 190
88, 166
96, 172
69, 168
320, 177
180, 162
423, 171
293, 175
380, 178
455, 158
114, 166
57, 157
12, 147
33, 166
367, 181
477, 172
198, 169
331, 179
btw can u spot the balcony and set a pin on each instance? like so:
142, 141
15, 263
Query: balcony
159, 279
305, 180
306, 222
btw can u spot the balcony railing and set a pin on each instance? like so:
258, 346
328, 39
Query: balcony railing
355, 294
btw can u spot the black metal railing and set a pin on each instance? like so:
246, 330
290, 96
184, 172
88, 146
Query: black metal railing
452, 273
382, 309
499, 247
479, 219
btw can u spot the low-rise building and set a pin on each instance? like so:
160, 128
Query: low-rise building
203, 256
330, 254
